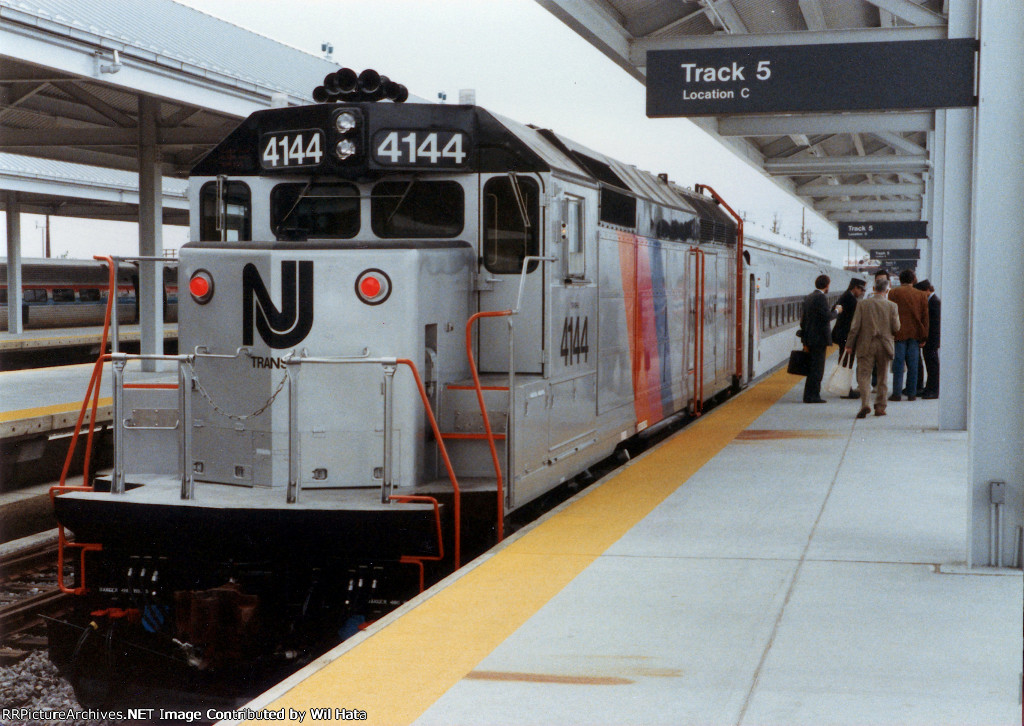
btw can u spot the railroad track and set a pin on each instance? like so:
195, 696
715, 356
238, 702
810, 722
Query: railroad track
28, 593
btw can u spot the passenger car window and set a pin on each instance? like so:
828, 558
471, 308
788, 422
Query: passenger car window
237, 212
511, 228
301, 211
90, 295
415, 208
63, 294
33, 295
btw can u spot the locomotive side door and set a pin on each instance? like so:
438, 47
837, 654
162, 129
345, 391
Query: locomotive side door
511, 228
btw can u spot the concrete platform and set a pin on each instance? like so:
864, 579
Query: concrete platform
50, 338
43, 400
774, 563
40, 401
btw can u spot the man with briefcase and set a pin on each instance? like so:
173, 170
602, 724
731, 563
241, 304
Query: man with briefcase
815, 334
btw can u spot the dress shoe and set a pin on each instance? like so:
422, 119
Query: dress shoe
911, 398
852, 395
879, 411
895, 397
815, 400
863, 413
930, 396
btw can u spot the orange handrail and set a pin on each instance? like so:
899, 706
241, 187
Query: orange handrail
420, 559
701, 188
62, 543
457, 493
483, 410
94, 381
93, 390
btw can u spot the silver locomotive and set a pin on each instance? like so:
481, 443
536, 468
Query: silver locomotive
403, 322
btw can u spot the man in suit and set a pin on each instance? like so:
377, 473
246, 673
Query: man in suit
931, 345
913, 306
875, 323
814, 332
848, 304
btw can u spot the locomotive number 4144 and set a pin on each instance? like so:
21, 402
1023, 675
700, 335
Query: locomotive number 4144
573, 346
420, 148
288, 150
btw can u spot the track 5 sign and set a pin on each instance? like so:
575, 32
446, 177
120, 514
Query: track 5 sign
820, 77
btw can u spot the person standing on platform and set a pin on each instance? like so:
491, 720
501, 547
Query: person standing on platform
848, 304
814, 332
872, 331
931, 346
913, 307
880, 274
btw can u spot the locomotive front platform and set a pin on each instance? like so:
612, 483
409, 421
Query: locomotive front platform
772, 563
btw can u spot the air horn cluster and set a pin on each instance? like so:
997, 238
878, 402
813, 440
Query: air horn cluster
345, 85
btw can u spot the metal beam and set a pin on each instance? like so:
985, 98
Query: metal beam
638, 48
15, 324
726, 16
180, 136
997, 268
125, 213
899, 143
13, 100
845, 123
151, 319
603, 30
909, 11
97, 104
846, 165
908, 189
814, 16
875, 216
869, 205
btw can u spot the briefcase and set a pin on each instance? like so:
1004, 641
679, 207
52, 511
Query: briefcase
799, 363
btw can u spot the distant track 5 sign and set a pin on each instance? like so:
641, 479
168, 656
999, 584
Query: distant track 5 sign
821, 77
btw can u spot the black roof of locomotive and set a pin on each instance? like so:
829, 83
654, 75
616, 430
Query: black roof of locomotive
494, 147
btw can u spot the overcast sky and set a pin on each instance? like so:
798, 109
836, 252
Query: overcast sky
522, 62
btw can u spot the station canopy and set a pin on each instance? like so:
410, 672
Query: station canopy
850, 166
73, 74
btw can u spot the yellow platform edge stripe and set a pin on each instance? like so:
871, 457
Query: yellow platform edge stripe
55, 409
398, 672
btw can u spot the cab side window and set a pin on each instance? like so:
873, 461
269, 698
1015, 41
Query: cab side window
237, 212
572, 219
511, 225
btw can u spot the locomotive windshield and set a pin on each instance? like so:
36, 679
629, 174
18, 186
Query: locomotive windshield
301, 211
416, 208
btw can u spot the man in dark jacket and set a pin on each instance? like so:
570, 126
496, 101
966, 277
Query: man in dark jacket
848, 304
931, 345
814, 332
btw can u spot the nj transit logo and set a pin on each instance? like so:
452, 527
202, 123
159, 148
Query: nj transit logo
288, 326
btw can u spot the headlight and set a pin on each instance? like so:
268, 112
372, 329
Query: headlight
345, 122
344, 149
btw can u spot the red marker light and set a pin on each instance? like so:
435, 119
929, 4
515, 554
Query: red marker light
373, 286
201, 286
370, 287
